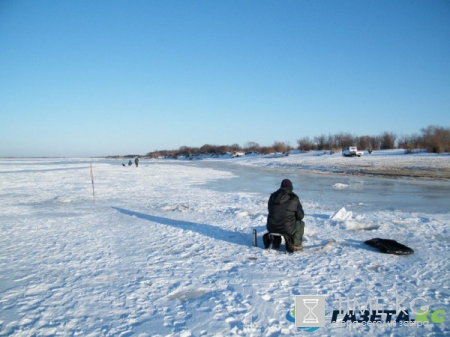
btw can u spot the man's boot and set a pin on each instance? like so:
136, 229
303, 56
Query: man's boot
297, 247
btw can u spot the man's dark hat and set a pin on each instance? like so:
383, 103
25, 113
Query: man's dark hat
286, 183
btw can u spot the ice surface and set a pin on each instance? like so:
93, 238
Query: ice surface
165, 249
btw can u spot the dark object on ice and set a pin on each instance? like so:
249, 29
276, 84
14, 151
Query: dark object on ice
255, 238
274, 239
389, 246
285, 217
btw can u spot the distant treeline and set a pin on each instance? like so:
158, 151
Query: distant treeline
434, 139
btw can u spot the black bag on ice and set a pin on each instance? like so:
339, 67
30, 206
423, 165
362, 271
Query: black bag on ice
389, 246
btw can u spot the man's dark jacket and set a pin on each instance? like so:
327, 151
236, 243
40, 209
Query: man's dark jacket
284, 210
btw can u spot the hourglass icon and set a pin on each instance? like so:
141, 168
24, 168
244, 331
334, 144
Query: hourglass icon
310, 304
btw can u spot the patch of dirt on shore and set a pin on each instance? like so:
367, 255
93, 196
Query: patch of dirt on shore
417, 173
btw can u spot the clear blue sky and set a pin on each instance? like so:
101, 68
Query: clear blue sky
96, 78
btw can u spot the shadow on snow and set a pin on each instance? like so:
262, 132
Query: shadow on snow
203, 229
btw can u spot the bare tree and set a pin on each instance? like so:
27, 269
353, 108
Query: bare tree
207, 148
387, 140
363, 143
348, 140
185, 150
305, 144
235, 147
266, 150
251, 146
436, 139
410, 143
320, 142
374, 143
280, 147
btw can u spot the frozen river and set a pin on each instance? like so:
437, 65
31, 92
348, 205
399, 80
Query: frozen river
165, 249
331, 191
353, 192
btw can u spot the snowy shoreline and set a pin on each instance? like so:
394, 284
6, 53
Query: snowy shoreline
387, 163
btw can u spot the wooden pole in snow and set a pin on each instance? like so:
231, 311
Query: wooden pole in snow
92, 180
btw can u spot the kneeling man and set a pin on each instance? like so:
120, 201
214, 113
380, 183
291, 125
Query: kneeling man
285, 217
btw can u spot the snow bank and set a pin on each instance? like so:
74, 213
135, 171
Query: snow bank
391, 163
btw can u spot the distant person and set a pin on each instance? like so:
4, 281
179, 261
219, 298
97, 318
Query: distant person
130, 163
136, 161
123, 164
285, 217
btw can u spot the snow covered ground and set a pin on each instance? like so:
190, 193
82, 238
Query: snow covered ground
165, 249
